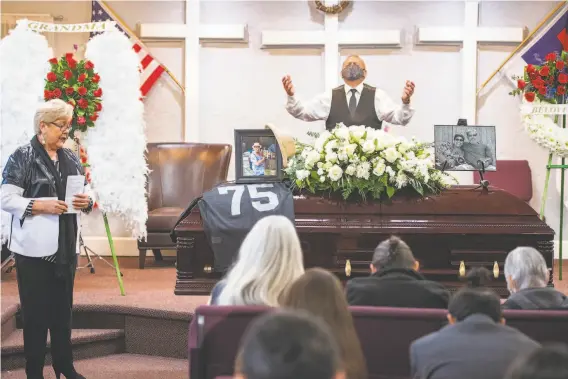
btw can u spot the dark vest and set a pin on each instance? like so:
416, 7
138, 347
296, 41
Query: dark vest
365, 113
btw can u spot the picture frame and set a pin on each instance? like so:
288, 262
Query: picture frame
465, 147
258, 158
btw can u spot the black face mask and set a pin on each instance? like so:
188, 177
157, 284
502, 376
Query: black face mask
352, 72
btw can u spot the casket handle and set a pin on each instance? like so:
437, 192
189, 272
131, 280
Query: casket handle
496, 270
208, 269
347, 268
462, 269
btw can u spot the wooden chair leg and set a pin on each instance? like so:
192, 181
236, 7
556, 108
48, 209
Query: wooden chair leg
157, 255
141, 258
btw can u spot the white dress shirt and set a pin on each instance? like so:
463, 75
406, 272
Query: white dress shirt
318, 108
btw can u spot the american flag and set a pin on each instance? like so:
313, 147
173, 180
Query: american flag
151, 69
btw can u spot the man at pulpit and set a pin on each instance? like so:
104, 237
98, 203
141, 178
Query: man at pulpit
353, 103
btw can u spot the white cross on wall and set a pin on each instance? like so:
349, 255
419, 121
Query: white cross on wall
331, 39
470, 35
192, 32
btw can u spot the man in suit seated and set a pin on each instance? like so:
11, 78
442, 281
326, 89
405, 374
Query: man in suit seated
395, 281
476, 344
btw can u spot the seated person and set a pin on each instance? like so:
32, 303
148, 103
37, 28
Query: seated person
319, 292
395, 281
476, 344
527, 276
288, 345
270, 259
548, 362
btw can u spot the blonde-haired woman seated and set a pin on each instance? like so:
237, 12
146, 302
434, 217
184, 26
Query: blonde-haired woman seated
269, 260
320, 293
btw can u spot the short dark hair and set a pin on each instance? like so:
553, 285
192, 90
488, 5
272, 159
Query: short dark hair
393, 253
287, 344
475, 298
548, 362
459, 135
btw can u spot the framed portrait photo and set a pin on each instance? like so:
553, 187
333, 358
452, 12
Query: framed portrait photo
257, 156
465, 148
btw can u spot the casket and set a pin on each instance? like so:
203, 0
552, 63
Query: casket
461, 228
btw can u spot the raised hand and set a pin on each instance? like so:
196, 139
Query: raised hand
288, 86
407, 91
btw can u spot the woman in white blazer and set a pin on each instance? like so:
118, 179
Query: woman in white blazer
44, 236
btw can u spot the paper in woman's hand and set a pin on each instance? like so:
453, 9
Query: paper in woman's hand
75, 186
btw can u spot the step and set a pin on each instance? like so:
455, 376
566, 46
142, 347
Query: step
9, 320
87, 343
120, 366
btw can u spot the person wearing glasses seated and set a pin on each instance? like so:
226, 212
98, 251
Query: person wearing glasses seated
43, 236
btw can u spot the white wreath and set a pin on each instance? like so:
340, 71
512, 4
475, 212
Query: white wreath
545, 131
117, 143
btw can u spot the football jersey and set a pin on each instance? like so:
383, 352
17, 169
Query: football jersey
229, 211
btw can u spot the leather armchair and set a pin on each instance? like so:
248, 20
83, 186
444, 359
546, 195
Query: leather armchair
179, 172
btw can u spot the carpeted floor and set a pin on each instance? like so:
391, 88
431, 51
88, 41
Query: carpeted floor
150, 288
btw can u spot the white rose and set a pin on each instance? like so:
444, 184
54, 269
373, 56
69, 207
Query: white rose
322, 179
379, 169
320, 171
335, 173
330, 146
350, 149
342, 132
342, 156
302, 174
357, 132
391, 154
350, 170
331, 157
369, 146
312, 158
363, 170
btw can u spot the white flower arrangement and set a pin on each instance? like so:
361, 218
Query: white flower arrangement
545, 131
364, 161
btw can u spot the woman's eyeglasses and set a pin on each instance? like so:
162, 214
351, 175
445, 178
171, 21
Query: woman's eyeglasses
61, 127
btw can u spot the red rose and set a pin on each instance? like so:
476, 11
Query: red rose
538, 83
89, 65
98, 92
542, 90
51, 76
53, 61
550, 57
46, 94
81, 120
561, 90
544, 71
533, 75
82, 78
57, 93
530, 68
529, 96
98, 107
82, 91
68, 74
96, 78
559, 65
72, 64
83, 103
83, 159
69, 91
94, 117
69, 56
562, 78
521, 84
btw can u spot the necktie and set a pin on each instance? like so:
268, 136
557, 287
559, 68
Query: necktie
353, 102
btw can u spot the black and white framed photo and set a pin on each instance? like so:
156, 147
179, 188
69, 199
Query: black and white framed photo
257, 156
465, 148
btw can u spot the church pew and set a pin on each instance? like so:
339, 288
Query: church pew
385, 335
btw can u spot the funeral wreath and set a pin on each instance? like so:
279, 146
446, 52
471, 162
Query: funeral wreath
540, 85
359, 160
77, 83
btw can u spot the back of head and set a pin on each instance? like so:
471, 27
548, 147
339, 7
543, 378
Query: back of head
288, 345
527, 269
393, 253
269, 259
475, 298
319, 292
548, 362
